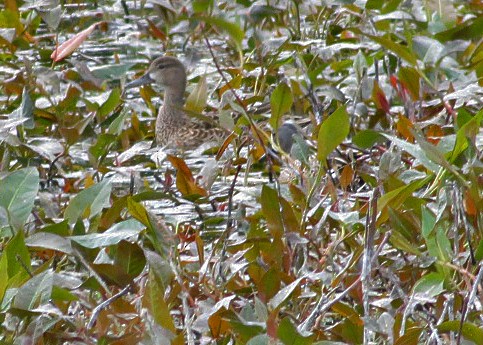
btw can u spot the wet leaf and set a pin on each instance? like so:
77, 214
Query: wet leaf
25, 111
284, 294
415, 151
18, 191
89, 202
51, 16
124, 230
111, 71
332, 132
160, 268
35, 292
49, 241
430, 285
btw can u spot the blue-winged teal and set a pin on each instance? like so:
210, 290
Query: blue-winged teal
173, 127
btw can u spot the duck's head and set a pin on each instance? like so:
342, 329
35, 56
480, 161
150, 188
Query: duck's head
166, 71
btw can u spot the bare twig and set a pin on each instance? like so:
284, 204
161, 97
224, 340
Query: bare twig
322, 307
245, 110
367, 258
469, 301
106, 303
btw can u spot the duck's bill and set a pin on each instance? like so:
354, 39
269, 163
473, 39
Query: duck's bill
145, 79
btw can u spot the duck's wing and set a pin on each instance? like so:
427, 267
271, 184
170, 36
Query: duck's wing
196, 133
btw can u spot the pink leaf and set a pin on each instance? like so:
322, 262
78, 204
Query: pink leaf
66, 48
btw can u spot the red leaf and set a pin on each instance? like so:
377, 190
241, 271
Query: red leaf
379, 98
155, 32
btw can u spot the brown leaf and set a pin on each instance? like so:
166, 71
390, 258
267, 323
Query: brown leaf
346, 177
434, 134
185, 181
404, 126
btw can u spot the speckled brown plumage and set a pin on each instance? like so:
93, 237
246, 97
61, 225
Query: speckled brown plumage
173, 127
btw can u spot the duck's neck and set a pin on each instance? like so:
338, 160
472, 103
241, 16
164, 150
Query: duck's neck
174, 97
172, 113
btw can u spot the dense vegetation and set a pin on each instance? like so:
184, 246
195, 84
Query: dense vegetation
369, 231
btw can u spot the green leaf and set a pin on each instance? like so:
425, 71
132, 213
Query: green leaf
469, 331
398, 49
196, 101
410, 337
130, 257
395, 198
271, 210
35, 292
118, 232
111, 71
103, 145
117, 125
400, 242
3, 275
468, 131
479, 251
410, 79
110, 104
25, 111
160, 267
280, 102
153, 301
89, 202
367, 138
430, 285
49, 241
428, 221
332, 132
201, 5
284, 294
261, 339
18, 256
232, 29
17, 195
470, 29
415, 151
289, 334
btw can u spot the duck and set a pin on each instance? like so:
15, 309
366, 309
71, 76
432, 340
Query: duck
174, 128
